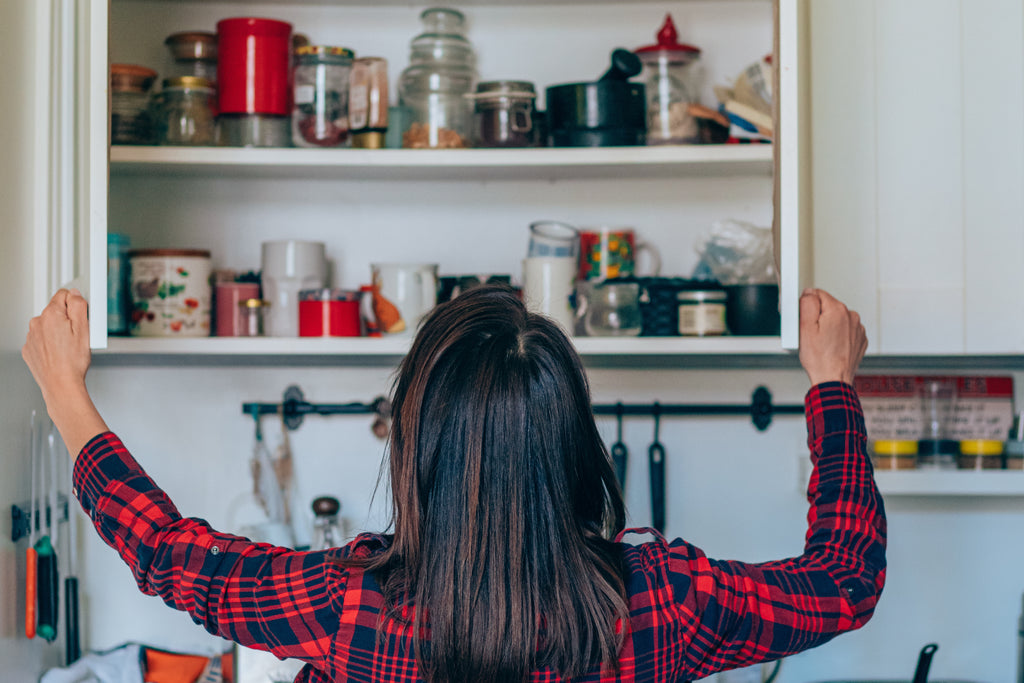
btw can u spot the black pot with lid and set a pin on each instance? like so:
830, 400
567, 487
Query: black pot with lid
609, 112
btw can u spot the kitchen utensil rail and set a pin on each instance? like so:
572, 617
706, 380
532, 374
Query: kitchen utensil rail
761, 410
294, 408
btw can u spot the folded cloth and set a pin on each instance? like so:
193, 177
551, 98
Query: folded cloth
121, 665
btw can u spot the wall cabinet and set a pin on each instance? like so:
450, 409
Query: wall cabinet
466, 209
919, 160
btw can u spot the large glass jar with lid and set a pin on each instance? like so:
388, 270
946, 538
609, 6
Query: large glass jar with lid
435, 85
184, 112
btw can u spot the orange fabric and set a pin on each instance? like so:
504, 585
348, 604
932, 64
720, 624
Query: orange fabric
168, 667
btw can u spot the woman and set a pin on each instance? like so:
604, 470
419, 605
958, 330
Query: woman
506, 561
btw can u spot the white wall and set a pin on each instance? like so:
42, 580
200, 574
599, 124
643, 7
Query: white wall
953, 575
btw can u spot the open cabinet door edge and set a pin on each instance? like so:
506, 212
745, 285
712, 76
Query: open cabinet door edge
792, 218
71, 156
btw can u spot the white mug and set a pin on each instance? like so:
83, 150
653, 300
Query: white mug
403, 293
548, 283
288, 267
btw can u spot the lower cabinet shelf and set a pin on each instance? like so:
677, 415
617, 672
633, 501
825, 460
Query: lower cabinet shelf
951, 483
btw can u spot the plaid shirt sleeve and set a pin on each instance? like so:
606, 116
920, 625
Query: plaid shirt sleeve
721, 614
256, 594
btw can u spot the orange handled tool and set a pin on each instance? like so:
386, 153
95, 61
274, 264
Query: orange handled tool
30, 593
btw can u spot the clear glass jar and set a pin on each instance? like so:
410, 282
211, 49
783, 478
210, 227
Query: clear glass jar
184, 112
672, 79
252, 314
320, 117
441, 73
327, 527
130, 120
504, 114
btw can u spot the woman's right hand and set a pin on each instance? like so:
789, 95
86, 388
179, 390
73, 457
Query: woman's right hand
832, 338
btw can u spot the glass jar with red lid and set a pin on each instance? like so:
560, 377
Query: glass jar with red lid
672, 78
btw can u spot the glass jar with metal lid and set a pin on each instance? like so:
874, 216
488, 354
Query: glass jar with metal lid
701, 312
441, 72
184, 112
504, 114
130, 120
981, 454
890, 454
320, 117
194, 54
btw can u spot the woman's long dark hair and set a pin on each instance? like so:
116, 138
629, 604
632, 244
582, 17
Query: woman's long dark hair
503, 500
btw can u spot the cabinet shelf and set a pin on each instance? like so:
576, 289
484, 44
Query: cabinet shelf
392, 347
463, 164
951, 483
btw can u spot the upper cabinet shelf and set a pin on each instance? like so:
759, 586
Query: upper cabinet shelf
408, 3
467, 164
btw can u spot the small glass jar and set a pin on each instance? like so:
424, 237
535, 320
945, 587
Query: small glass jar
184, 112
504, 114
671, 77
194, 54
937, 454
434, 86
252, 316
894, 455
981, 454
327, 526
130, 121
702, 312
1013, 451
320, 117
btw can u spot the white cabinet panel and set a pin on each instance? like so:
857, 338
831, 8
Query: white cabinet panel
845, 156
920, 174
922, 320
993, 71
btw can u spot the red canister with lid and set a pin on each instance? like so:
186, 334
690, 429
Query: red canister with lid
254, 66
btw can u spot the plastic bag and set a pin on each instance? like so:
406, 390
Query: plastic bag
737, 253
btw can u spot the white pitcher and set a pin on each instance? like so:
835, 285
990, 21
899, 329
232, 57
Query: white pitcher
403, 294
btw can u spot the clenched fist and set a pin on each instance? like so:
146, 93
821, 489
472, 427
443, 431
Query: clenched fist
832, 338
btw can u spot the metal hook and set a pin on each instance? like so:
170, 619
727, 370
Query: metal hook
656, 412
618, 419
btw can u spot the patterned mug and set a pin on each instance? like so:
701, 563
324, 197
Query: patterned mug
609, 253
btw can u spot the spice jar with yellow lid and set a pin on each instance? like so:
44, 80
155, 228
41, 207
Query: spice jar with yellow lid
895, 455
981, 454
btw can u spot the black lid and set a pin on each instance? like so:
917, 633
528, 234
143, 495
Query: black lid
938, 447
325, 506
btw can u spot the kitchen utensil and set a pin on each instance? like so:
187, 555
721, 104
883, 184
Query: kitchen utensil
656, 463
608, 112
611, 253
620, 454
72, 643
554, 239
288, 267
404, 293
671, 76
610, 308
31, 557
753, 310
170, 292
548, 283
924, 663
48, 582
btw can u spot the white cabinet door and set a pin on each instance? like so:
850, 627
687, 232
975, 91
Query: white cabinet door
793, 215
71, 152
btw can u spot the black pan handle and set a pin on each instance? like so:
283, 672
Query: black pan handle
656, 464
72, 645
620, 454
924, 663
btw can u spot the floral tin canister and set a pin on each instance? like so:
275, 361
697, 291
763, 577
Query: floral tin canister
170, 292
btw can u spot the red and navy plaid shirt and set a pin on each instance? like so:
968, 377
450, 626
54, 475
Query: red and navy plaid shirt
689, 615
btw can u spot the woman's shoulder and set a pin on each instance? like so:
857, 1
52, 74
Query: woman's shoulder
365, 546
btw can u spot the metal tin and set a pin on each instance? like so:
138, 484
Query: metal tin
170, 292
